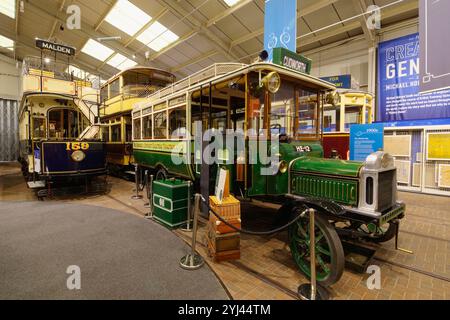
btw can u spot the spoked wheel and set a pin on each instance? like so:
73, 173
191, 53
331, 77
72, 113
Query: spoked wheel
330, 259
161, 174
378, 234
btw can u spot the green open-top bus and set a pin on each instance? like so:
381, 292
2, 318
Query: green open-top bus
270, 102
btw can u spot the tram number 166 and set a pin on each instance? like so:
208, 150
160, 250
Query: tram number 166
77, 146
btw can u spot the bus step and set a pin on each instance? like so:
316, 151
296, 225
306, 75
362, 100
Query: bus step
36, 184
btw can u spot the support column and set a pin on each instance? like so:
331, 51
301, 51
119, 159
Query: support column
372, 76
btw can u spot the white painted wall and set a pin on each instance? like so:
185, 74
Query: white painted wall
10, 74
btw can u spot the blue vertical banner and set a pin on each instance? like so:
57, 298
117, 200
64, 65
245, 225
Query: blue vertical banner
399, 98
365, 139
280, 25
434, 45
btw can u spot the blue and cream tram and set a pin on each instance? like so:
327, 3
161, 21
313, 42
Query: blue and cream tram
59, 140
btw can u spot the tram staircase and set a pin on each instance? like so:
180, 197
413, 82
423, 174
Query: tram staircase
88, 108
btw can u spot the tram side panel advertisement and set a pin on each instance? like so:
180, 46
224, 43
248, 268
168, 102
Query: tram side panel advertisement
399, 84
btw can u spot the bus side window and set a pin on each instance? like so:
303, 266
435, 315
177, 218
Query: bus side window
177, 122
147, 124
160, 125
137, 129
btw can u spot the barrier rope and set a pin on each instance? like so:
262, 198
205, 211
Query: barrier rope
250, 232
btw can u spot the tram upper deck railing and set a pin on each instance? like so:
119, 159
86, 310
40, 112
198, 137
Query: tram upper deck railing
53, 69
210, 72
47, 75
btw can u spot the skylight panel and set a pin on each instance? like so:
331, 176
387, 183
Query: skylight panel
97, 50
157, 37
8, 7
121, 62
231, 3
6, 43
128, 18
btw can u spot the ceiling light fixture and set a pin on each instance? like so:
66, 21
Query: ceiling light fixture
101, 39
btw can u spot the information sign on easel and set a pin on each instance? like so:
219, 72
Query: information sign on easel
222, 184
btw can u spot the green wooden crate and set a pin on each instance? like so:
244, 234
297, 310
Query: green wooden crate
170, 202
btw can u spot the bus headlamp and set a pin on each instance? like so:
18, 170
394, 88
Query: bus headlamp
283, 167
78, 156
272, 82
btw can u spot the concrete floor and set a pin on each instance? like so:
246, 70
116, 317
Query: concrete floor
266, 270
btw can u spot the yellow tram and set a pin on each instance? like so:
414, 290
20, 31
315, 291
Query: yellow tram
346, 107
118, 97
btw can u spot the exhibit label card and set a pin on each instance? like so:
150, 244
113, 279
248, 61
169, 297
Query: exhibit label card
365, 139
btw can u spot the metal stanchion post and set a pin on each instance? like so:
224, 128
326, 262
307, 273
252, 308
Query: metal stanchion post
146, 177
312, 291
137, 196
150, 198
193, 260
187, 227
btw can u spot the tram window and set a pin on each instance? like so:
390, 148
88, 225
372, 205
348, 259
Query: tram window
332, 119
147, 127
116, 133
104, 94
105, 133
128, 131
114, 88
352, 116
137, 128
63, 123
39, 128
141, 84
177, 122
160, 125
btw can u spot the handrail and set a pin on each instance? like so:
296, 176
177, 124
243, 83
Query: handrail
91, 113
207, 73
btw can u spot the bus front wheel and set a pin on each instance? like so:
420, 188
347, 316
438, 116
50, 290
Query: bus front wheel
161, 174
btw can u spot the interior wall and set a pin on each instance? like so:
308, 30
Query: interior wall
10, 78
348, 58
352, 57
